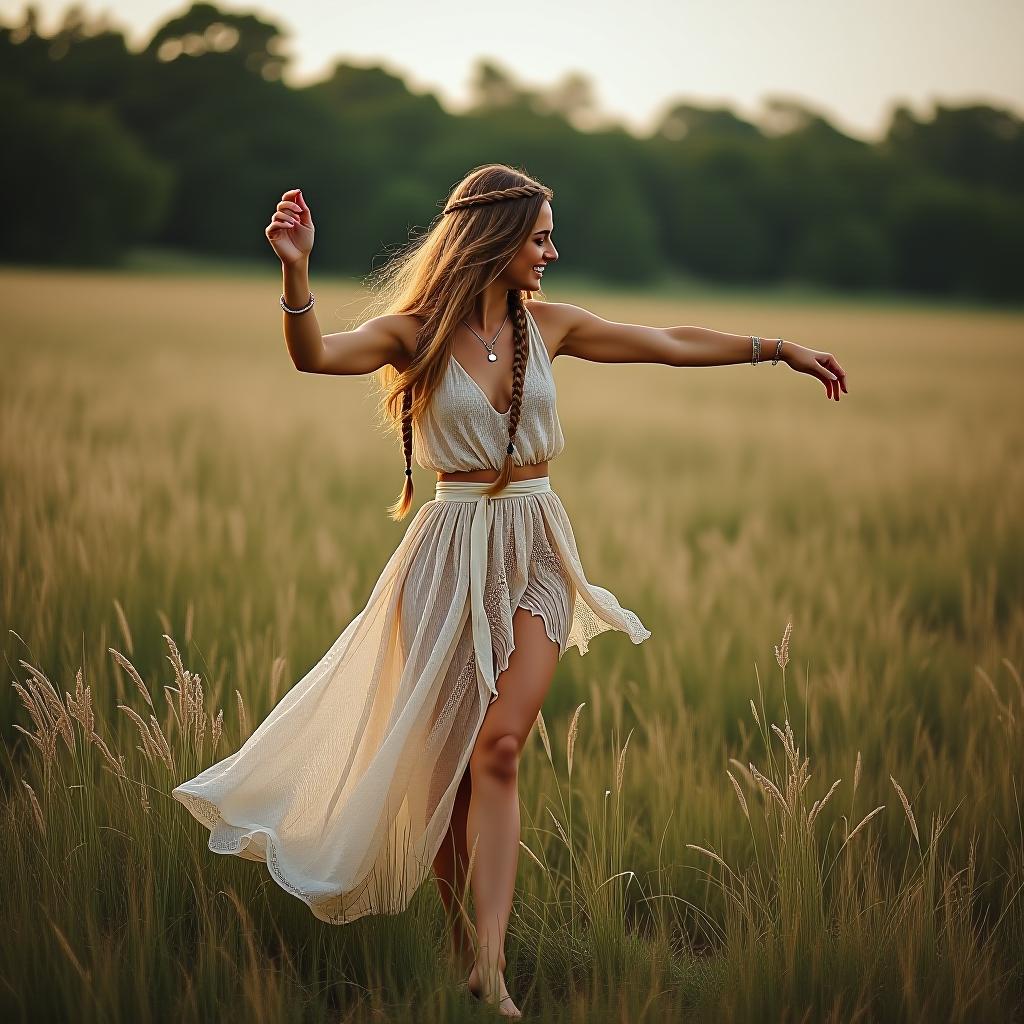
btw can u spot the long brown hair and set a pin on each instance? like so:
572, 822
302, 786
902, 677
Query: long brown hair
486, 220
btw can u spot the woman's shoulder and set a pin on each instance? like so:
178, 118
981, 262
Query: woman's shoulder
553, 320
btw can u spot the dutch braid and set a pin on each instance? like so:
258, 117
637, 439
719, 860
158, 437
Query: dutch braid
520, 355
406, 497
483, 198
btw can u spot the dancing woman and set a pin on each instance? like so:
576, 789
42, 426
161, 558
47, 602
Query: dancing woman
397, 753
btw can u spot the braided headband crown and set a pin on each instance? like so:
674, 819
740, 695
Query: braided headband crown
496, 196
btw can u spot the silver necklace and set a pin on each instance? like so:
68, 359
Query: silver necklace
491, 357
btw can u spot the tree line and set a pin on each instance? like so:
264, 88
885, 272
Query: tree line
190, 141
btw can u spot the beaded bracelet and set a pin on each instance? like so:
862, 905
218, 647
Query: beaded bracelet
308, 305
756, 351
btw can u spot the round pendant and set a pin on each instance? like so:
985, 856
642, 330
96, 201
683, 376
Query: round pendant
491, 357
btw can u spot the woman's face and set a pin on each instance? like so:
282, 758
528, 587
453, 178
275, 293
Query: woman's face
526, 270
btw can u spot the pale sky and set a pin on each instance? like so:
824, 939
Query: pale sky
850, 59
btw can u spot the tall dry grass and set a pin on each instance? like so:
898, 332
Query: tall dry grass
188, 522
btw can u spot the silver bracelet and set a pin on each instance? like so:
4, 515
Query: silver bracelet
308, 305
755, 351
778, 351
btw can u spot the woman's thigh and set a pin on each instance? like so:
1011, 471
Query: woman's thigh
524, 684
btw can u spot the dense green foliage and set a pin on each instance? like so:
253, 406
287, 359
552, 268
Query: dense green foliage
190, 142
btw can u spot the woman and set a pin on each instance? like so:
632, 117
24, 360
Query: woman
398, 751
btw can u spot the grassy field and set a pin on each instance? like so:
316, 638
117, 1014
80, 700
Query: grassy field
165, 470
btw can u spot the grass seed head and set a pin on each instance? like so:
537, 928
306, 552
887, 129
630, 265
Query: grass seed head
739, 793
542, 729
782, 650
621, 764
570, 743
906, 807
37, 811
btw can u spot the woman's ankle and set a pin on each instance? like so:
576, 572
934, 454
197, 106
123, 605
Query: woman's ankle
480, 965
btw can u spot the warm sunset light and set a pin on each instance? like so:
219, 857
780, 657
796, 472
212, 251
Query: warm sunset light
512, 511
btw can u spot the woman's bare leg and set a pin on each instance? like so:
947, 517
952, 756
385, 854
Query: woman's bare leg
493, 821
450, 866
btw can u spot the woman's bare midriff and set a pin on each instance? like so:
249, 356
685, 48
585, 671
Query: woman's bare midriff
486, 475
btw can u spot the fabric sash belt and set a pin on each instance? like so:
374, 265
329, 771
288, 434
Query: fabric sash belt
483, 516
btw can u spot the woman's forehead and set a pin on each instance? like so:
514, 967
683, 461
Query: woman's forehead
544, 221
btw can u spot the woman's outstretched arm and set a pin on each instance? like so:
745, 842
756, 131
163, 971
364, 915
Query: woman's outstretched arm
367, 348
587, 336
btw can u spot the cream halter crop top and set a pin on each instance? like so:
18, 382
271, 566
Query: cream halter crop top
460, 430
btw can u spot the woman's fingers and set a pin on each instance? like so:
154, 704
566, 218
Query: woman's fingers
294, 203
295, 196
839, 371
291, 212
830, 379
277, 227
839, 375
822, 365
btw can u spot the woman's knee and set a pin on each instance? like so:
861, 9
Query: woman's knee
497, 758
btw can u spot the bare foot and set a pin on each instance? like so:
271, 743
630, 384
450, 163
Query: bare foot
495, 994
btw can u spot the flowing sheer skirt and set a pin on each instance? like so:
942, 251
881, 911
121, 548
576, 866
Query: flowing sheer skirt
346, 789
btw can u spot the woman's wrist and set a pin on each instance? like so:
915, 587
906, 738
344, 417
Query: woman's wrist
295, 277
763, 349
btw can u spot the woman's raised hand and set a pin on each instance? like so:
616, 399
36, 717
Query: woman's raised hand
822, 365
290, 231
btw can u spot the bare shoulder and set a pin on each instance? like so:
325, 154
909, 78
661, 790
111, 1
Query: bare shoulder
554, 320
